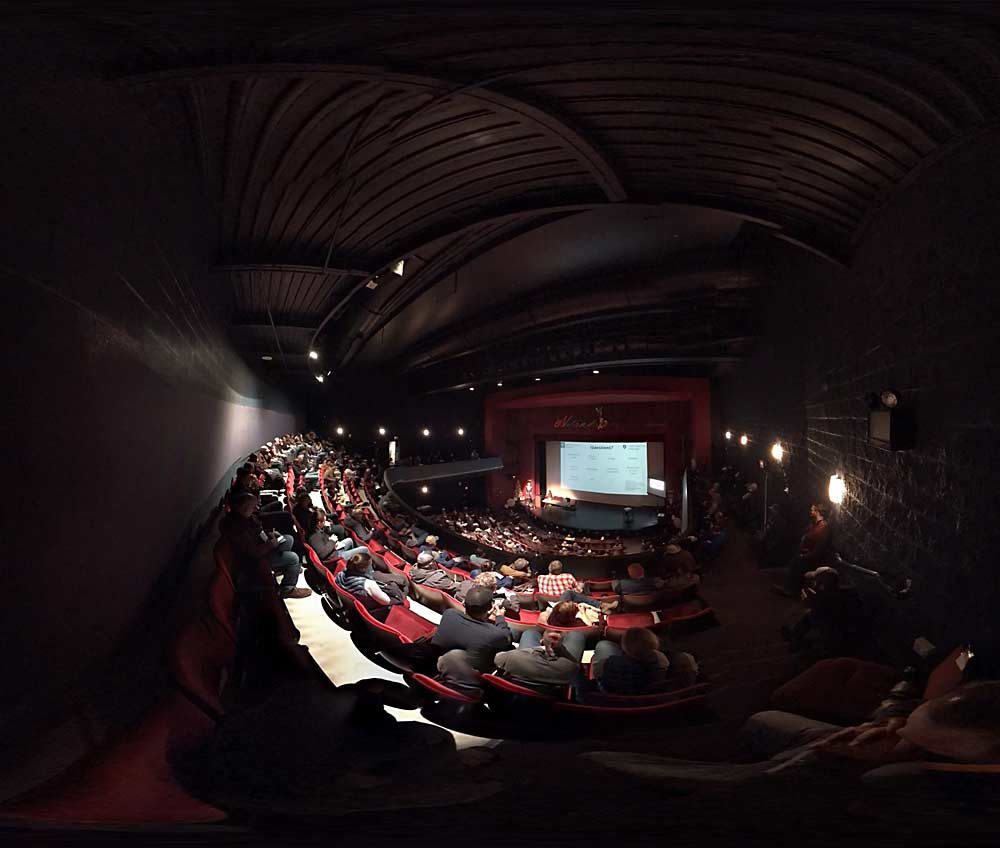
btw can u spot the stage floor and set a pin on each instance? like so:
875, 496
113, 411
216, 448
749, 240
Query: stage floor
590, 516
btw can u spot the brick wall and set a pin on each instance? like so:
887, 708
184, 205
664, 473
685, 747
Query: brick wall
915, 311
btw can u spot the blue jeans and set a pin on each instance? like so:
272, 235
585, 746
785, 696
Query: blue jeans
285, 562
602, 651
578, 598
574, 642
347, 553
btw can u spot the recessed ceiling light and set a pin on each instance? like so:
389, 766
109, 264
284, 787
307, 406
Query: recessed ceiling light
500, 385
340, 431
425, 431
472, 388
313, 355
596, 371
381, 431
267, 358
461, 431
538, 379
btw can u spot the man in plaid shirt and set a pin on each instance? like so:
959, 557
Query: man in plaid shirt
557, 581
567, 588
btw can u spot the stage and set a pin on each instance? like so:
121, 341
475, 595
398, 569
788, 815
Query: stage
591, 516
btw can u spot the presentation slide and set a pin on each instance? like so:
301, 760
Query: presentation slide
614, 473
607, 468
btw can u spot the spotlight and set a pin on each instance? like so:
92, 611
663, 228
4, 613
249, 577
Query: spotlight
595, 371
313, 355
425, 431
340, 431
320, 378
729, 435
424, 490
837, 489
744, 440
777, 451
461, 431
267, 358
381, 431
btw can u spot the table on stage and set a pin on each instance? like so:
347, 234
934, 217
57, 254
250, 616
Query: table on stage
562, 503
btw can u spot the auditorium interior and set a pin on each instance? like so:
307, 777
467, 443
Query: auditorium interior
501, 422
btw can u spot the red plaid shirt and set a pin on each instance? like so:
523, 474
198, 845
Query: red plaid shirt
556, 584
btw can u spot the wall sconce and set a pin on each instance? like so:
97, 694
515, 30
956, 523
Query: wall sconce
729, 435
777, 452
837, 489
744, 440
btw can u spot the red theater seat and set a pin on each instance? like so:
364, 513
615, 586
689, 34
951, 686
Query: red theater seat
199, 659
130, 782
842, 690
440, 691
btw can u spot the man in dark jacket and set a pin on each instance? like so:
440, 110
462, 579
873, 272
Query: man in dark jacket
243, 530
813, 548
473, 632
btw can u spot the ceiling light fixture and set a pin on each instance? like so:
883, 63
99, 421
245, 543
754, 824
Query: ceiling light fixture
538, 379
744, 440
381, 431
461, 431
340, 431
472, 388
424, 490
425, 431
267, 358
728, 434
595, 371
500, 384
313, 355
777, 451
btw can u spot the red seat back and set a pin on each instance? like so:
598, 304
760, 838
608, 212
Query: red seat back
200, 659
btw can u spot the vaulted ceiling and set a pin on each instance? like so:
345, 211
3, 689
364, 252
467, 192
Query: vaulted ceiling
528, 164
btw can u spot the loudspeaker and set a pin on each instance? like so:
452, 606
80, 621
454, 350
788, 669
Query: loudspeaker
891, 429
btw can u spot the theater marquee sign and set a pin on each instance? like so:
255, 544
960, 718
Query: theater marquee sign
573, 422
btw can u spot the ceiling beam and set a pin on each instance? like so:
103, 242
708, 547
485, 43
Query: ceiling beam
554, 126
279, 268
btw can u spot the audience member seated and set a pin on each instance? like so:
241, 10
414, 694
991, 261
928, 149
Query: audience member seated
426, 572
557, 581
639, 666
637, 582
431, 545
834, 615
813, 549
473, 631
961, 726
569, 614
243, 484
545, 662
569, 588
329, 539
305, 513
678, 562
244, 532
355, 521
361, 580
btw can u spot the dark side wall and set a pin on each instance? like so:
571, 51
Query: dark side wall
124, 407
916, 312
